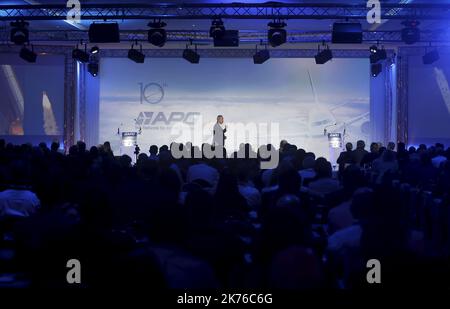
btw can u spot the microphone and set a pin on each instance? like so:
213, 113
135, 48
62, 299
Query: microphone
325, 129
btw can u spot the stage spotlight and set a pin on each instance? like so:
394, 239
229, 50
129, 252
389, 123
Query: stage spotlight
28, 55
191, 55
104, 33
80, 55
276, 34
93, 68
411, 32
261, 56
217, 29
323, 56
347, 33
95, 50
377, 54
376, 69
431, 57
19, 32
136, 55
157, 35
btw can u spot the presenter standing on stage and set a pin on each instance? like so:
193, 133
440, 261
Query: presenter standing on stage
219, 132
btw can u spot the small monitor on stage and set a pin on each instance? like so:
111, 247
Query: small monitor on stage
129, 139
335, 140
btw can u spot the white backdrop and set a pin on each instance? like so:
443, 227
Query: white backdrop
295, 95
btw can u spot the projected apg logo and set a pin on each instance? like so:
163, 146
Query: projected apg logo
147, 119
152, 93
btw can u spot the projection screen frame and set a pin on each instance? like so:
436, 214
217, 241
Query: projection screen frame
74, 112
69, 83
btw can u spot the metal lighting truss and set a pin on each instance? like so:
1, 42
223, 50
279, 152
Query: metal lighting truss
269, 10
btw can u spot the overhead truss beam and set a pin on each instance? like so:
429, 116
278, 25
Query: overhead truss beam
245, 36
229, 11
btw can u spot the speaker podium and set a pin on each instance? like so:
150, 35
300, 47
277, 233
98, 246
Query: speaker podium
128, 143
335, 147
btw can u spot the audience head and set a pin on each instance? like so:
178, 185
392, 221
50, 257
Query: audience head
308, 162
361, 205
374, 147
352, 179
289, 180
349, 146
81, 147
388, 156
163, 148
391, 146
422, 147
425, 159
54, 147
288, 200
296, 268
153, 150
323, 168
283, 143
360, 145
93, 151
107, 147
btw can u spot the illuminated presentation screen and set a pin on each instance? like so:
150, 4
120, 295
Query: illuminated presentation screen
32, 102
429, 101
170, 100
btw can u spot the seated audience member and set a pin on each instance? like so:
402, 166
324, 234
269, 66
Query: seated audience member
285, 225
247, 188
385, 164
439, 158
18, 200
296, 268
283, 143
202, 171
153, 152
142, 157
207, 223
345, 157
324, 182
81, 147
289, 182
359, 152
163, 148
391, 146
421, 172
340, 216
361, 208
307, 173
168, 230
54, 147
372, 155
266, 177
107, 149
228, 201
